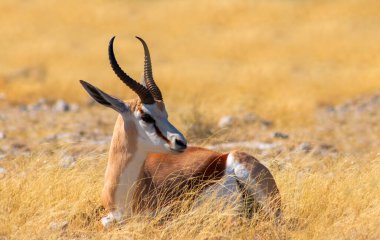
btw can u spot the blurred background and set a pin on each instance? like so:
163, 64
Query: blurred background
279, 58
295, 83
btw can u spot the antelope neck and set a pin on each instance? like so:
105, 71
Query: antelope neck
131, 167
136, 154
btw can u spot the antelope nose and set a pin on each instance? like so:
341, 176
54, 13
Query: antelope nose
180, 145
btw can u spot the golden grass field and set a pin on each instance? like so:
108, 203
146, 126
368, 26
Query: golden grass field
284, 60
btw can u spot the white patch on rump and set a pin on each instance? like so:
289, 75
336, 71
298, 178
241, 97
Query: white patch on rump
229, 185
235, 168
230, 164
226, 190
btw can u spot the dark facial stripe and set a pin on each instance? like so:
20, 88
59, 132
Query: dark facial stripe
147, 118
159, 133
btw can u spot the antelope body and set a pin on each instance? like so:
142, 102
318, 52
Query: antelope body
150, 164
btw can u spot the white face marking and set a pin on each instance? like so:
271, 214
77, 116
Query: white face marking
159, 136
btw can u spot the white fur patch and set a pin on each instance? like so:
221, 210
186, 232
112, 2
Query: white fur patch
111, 218
229, 185
241, 172
230, 164
235, 168
127, 180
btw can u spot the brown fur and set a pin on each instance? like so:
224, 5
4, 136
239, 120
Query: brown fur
258, 171
166, 177
260, 187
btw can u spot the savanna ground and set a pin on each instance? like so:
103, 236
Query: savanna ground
309, 69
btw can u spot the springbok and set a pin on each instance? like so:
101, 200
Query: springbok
148, 149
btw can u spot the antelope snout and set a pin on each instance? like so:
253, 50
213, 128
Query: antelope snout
178, 143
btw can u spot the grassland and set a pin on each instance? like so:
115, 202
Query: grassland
286, 61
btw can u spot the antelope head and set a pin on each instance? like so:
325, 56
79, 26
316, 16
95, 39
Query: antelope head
148, 114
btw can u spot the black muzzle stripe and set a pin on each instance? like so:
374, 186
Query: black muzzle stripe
159, 133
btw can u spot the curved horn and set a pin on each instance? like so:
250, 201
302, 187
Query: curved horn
148, 76
144, 94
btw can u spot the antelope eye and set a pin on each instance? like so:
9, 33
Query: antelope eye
147, 118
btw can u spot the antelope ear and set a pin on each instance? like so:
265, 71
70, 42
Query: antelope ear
103, 98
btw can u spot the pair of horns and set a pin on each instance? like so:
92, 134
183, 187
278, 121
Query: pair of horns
149, 94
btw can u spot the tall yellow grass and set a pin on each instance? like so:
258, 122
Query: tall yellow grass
333, 200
